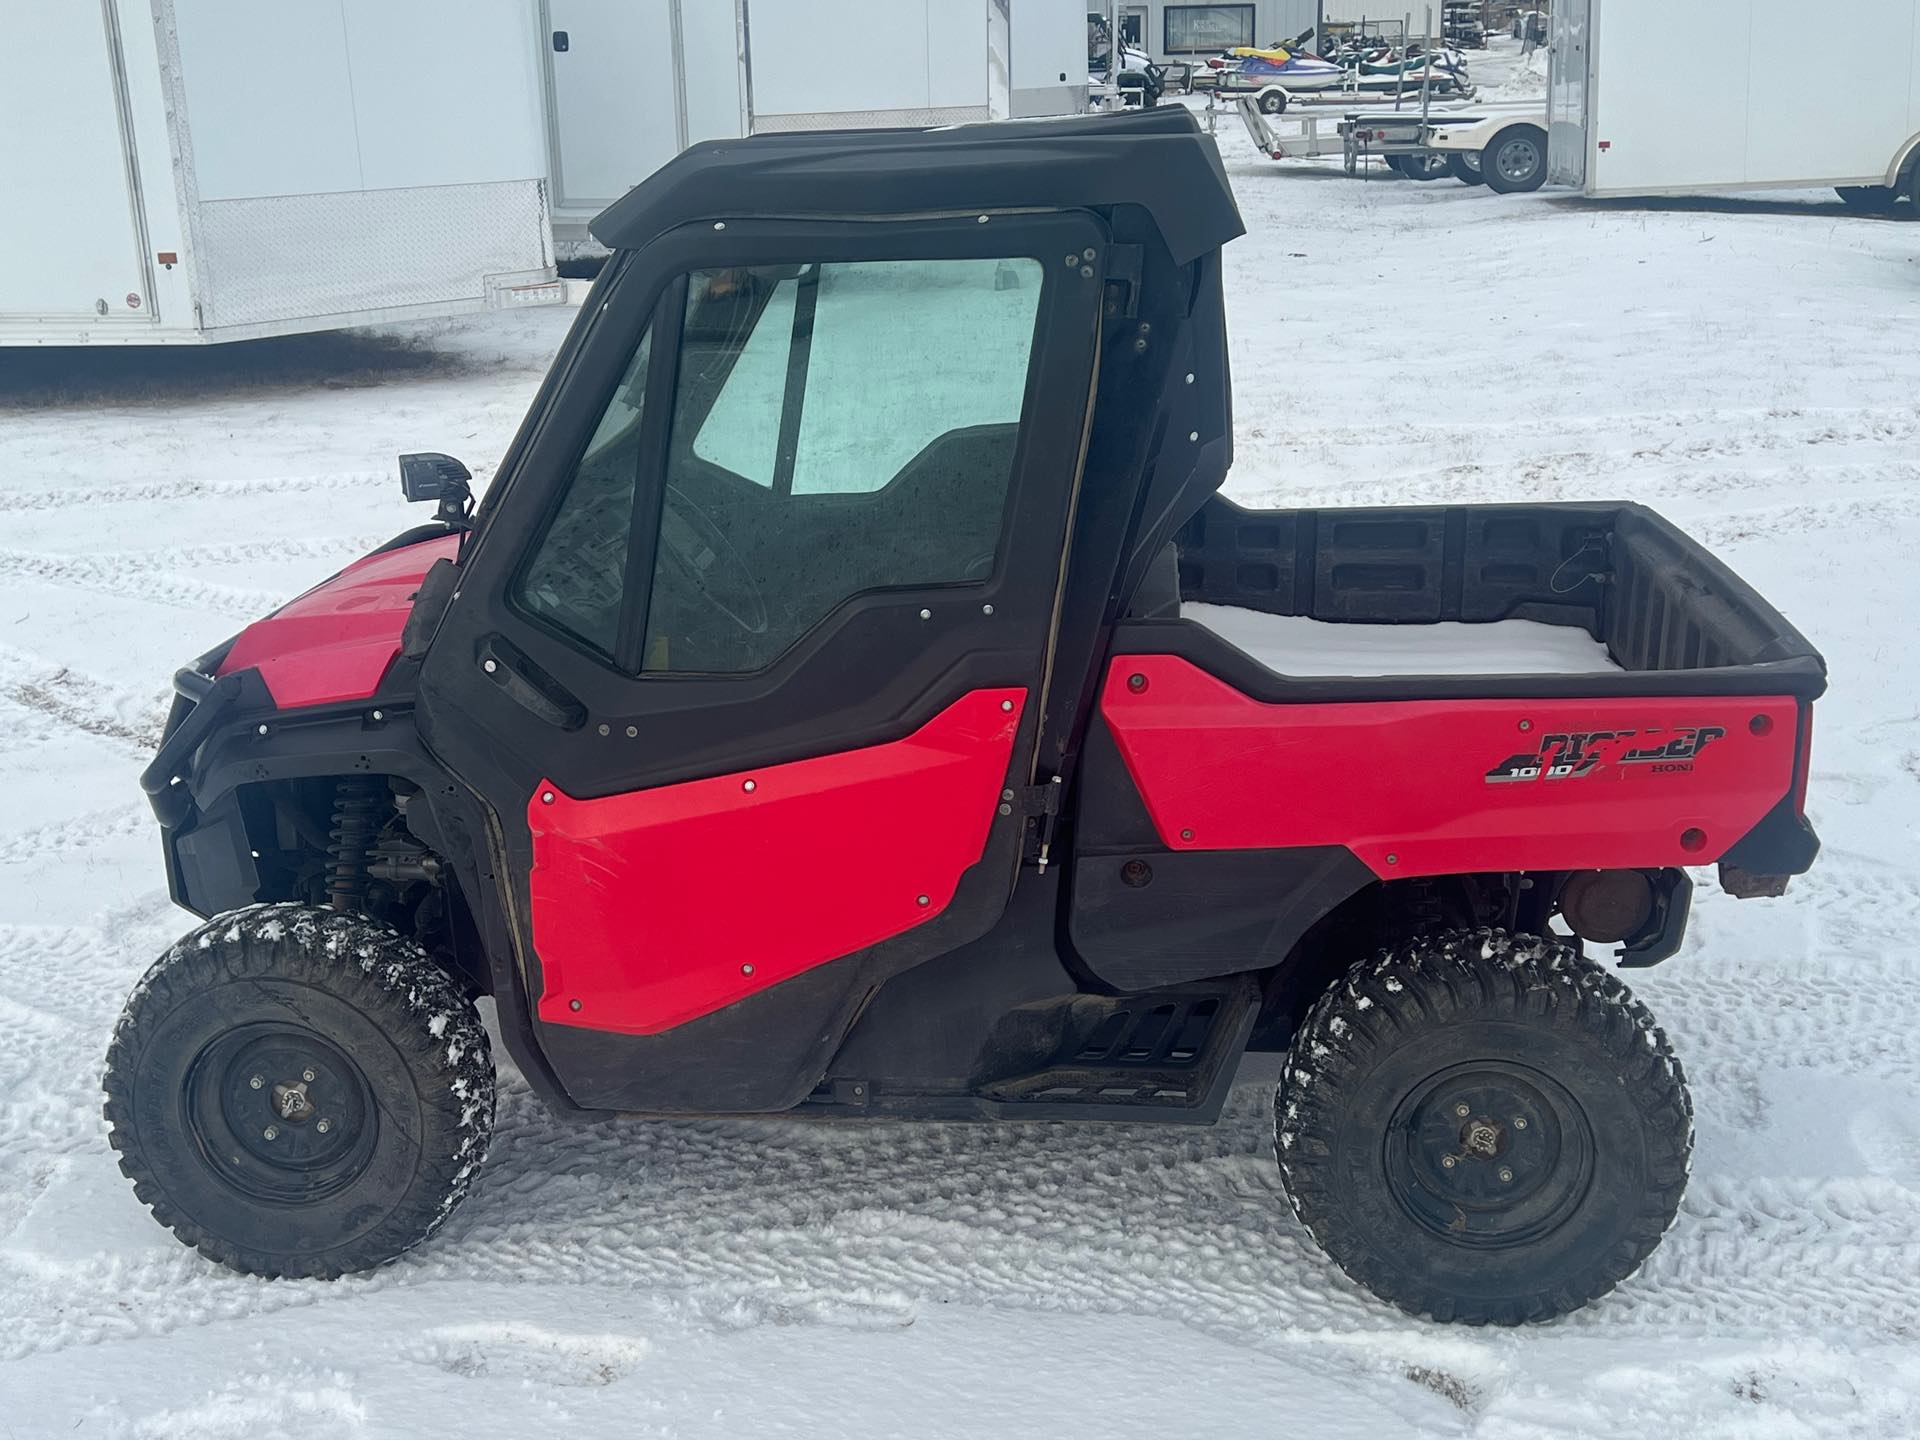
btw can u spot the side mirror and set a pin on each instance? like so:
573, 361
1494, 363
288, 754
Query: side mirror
428, 475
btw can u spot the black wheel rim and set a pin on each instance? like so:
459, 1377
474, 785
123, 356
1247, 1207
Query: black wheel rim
281, 1114
1489, 1155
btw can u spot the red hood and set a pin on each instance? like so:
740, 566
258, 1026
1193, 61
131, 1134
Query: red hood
336, 641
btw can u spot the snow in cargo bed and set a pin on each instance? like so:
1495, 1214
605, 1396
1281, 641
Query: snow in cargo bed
1296, 645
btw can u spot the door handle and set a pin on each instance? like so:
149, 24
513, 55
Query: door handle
560, 42
528, 686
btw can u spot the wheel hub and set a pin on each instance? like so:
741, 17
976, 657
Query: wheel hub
1518, 159
1489, 1155
290, 1101
1482, 1139
280, 1113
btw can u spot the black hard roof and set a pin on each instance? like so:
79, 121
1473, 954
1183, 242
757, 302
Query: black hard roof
1156, 158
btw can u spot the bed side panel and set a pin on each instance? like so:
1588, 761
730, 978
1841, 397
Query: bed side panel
1439, 787
1401, 565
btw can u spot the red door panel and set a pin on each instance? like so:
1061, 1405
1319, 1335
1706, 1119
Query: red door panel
1441, 787
658, 906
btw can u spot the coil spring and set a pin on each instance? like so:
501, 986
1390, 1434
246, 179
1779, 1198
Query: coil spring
357, 809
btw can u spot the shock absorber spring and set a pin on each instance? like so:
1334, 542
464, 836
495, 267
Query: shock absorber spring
357, 812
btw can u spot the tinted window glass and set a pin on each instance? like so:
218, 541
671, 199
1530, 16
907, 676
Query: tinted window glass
578, 571
837, 429
1201, 29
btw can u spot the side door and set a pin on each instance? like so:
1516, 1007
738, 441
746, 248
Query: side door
750, 649
1569, 61
74, 250
614, 97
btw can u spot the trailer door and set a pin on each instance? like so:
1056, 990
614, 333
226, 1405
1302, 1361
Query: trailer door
1569, 66
75, 248
615, 84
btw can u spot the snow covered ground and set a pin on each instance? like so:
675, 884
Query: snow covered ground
1750, 367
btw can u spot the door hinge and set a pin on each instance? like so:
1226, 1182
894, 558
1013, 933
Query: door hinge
1041, 804
1123, 280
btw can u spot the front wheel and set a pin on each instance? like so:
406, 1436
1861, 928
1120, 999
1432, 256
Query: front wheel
299, 1092
1273, 102
1515, 161
1483, 1127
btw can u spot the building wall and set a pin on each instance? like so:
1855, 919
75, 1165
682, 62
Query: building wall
1272, 21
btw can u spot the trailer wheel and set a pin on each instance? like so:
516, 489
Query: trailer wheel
299, 1092
1483, 1127
1273, 102
1465, 168
1869, 199
1515, 160
1425, 165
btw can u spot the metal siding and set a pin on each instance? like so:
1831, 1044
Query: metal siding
1847, 129
852, 56
1666, 120
283, 257
57, 79
710, 41
445, 92
269, 97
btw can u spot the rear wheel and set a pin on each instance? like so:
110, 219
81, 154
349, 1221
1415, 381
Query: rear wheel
1484, 1127
299, 1092
1465, 168
1515, 160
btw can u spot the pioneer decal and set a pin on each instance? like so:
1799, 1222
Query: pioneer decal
1577, 755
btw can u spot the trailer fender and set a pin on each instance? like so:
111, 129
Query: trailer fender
1904, 162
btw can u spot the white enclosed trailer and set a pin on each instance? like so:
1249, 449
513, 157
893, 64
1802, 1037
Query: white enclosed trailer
199, 170
631, 83
1649, 98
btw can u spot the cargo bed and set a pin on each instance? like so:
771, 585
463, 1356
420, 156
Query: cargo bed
1672, 618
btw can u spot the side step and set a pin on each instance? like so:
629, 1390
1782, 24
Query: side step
1160, 1051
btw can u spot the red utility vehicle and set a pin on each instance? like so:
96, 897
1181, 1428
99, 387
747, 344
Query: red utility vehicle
830, 711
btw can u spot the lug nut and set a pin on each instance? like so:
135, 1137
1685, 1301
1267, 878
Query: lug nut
257, 1083
307, 1075
272, 1132
1519, 1122
1506, 1176
1447, 1162
1462, 1111
323, 1126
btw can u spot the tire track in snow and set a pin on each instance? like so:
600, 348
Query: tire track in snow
104, 574
1081, 1219
73, 700
77, 832
1697, 434
71, 497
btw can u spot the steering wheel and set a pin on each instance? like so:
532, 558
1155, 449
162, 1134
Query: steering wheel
706, 559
